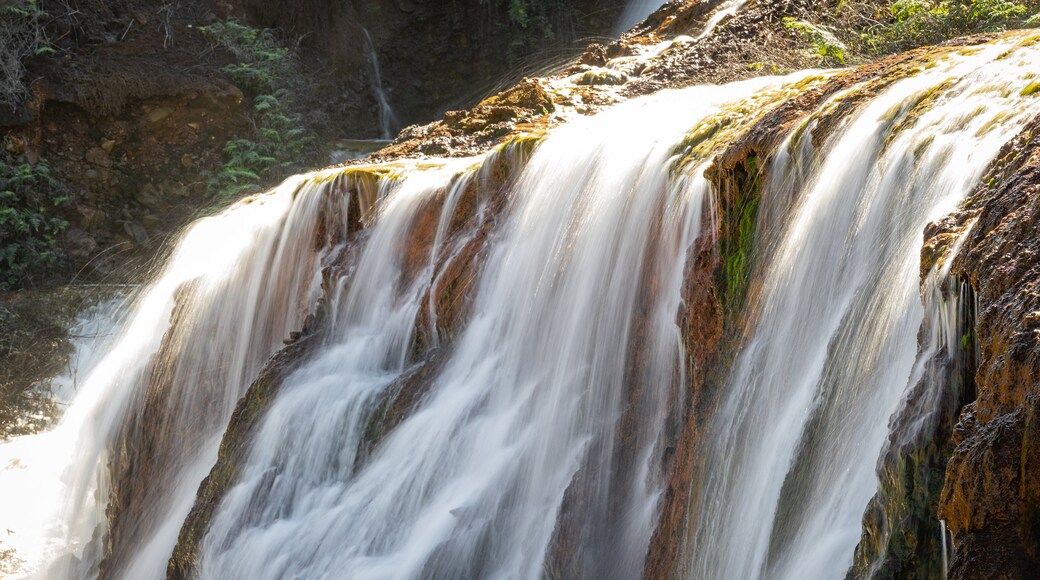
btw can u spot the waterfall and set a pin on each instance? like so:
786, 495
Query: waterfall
804, 414
162, 394
31, 466
529, 401
519, 420
388, 122
725, 10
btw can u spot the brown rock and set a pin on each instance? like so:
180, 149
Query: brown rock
158, 114
79, 244
91, 216
150, 197
136, 232
991, 496
151, 221
594, 55
97, 156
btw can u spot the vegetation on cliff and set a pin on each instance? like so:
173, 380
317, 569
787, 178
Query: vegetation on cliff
30, 226
860, 30
281, 142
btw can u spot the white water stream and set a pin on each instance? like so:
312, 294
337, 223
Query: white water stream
243, 279
542, 424
531, 396
805, 413
388, 123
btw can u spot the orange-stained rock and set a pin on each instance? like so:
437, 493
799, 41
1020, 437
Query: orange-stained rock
991, 497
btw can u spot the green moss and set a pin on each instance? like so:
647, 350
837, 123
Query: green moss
601, 76
717, 131
968, 340
738, 243
1030, 89
738, 264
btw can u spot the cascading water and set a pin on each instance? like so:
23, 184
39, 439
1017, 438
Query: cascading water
538, 419
725, 10
529, 401
236, 285
31, 466
805, 412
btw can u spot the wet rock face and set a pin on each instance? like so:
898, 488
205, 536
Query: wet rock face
991, 497
473, 130
901, 531
234, 446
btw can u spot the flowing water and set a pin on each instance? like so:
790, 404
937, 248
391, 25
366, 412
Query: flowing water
529, 401
388, 122
238, 283
805, 412
539, 428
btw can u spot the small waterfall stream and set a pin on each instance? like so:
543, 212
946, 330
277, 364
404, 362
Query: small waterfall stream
388, 122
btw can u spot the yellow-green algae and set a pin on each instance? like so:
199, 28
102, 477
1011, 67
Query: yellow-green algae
736, 118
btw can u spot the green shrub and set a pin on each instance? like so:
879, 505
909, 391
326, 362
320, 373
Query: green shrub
829, 49
264, 69
905, 24
29, 228
264, 61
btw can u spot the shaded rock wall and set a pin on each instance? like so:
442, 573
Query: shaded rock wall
131, 108
435, 56
131, 111
902, 536
991, 496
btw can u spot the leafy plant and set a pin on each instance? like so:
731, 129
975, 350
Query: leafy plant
905, 24
830, 50
29, 228
518, 13
530, 24
280, 138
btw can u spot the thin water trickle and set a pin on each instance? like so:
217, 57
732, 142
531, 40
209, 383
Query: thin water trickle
388, 122
946, 566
